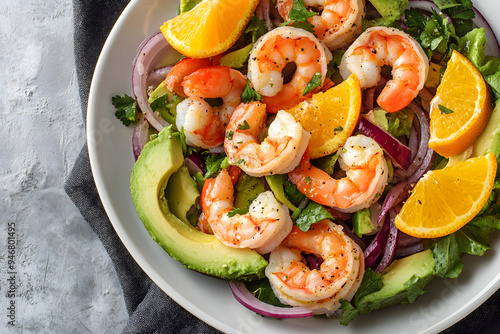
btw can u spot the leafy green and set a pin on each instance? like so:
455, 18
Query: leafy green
413, 288
249, 94
472, 45
445, 110
371, 282
292, 193
311, 214
126, 109
471, 239
313, 83
237, 211
460, 11
298, 15
256, 27
349, 312
244, 125
213, 164
263, 292
327, 163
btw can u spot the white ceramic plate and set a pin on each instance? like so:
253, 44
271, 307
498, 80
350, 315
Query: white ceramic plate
210, 299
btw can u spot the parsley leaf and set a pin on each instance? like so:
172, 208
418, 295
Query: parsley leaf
244, 125
256, 27
444, 110
263, 291
313, 83
213, 164
249, 94
349, 312
126, 109
298, 15
311, 214
371, 282
299, 12
237, 211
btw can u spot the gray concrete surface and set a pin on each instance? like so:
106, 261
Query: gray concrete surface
59, 278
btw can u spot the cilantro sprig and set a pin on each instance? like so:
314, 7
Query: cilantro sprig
298, 16
126, 109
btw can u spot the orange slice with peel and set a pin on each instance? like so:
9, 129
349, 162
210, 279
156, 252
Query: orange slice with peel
330, 117
460, 109
210, 28
445, 200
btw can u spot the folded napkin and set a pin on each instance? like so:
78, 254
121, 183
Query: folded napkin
150, 309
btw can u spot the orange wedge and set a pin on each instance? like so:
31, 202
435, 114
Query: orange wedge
330, 117
210, 28
460, 109
445, 200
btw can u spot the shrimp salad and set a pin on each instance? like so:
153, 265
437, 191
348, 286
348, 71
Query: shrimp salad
325, 226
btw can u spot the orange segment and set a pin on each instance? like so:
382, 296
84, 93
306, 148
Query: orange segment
210, 28
330, 117
445, 200
465, 93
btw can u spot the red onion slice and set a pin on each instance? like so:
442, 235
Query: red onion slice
394, 196
140, 136
247, 299
375, 248
157, 76
400, 154
195, 163
409, 250
423, 148
150, 56
390, 246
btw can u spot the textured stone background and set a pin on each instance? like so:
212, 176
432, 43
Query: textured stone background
65, 282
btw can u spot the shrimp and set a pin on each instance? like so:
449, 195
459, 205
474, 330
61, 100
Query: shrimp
263, 228
320, 290
363, 161
268, 58
338, 23
379, 46
173, 81
279, 153
203, 124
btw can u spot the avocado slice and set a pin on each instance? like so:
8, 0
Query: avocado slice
196, 250
489, 140
181, 193
362, 222
402, 282
247, 189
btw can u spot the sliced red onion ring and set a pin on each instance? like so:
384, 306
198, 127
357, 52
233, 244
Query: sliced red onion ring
375, 248
390, 246
399, 153
151, 54
247, 299
406, 240
409, 250
140, 136
396, 195
423, 148
337, 214
216, 150
195, 163
157, 76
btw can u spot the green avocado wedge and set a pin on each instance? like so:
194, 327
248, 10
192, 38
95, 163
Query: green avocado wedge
196, 250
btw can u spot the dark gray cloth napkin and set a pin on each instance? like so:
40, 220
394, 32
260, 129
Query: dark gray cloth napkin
150, 309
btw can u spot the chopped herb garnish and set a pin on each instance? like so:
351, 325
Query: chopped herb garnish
249, 94
230, 135
339, 129
241, 162
308, 179
444, 110
298, 15
244, 125
313, 83
237, 211
126, 109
